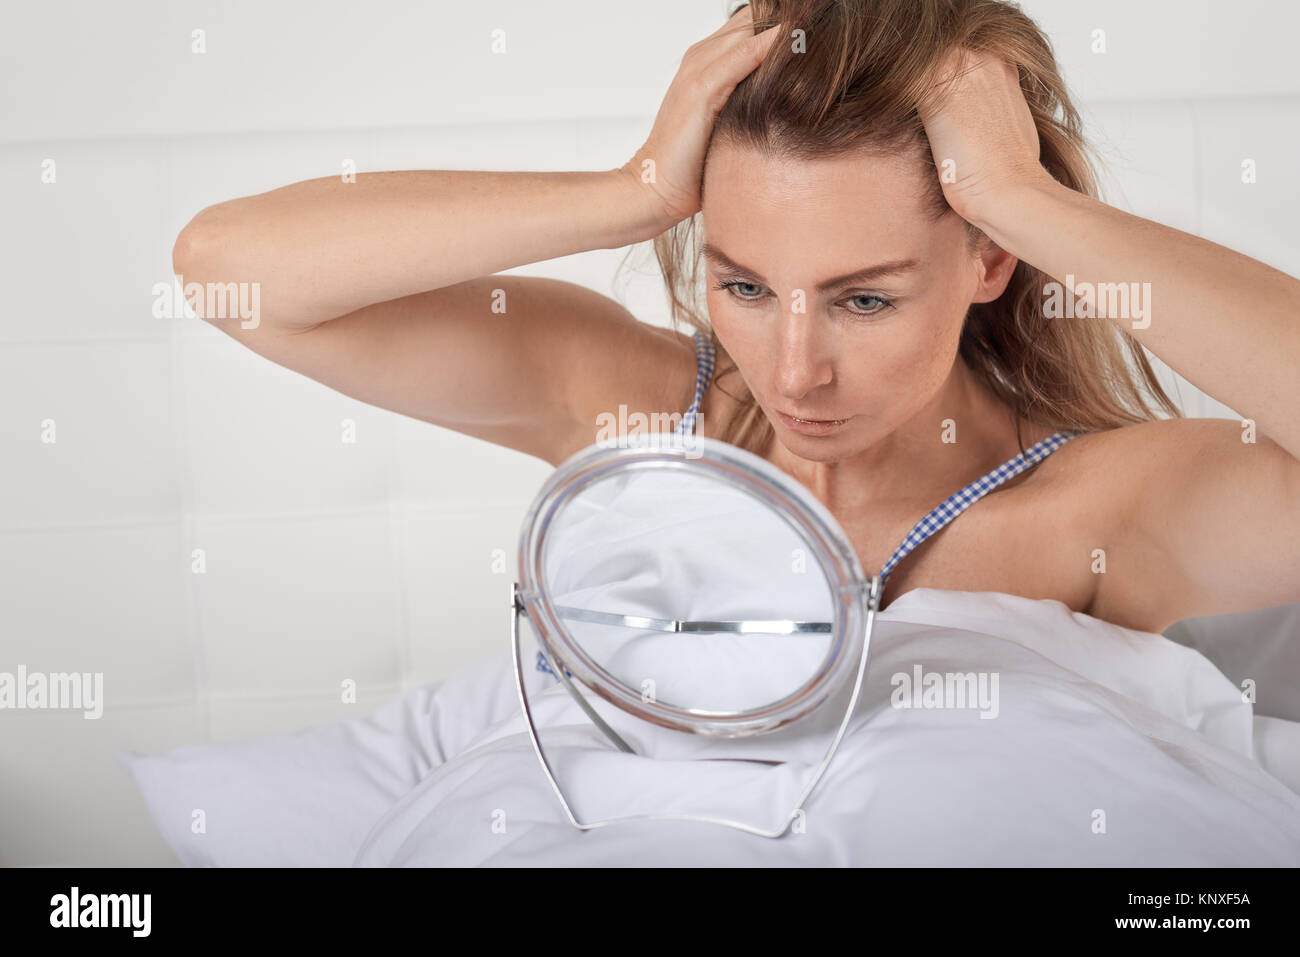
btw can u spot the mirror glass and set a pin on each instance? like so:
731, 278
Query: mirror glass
687, 590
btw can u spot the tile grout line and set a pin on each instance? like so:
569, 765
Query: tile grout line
397, 545
328, 695
397, 538
453, 510
464, 124
198, 646
1198, 398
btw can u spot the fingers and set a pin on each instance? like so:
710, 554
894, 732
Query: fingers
963, 76
737, 28
738, 61
744, 14
736, 37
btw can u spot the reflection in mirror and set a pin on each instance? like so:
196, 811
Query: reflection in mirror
688, 590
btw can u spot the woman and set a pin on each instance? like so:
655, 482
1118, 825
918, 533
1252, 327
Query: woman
891, 142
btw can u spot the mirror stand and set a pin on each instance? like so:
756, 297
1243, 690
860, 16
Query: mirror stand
871, 600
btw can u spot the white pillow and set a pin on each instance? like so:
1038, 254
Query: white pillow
1262, 644
310, 797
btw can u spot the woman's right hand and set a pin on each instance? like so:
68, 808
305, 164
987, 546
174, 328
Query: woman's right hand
668, 168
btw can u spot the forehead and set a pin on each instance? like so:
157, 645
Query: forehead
763, 208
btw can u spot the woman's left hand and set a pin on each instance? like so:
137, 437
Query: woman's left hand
981, 133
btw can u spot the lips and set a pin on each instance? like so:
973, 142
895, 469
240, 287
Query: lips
812, 421
811, 426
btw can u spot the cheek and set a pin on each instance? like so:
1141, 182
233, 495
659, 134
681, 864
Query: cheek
905, 368
722, 310
938, 318
902, 369
743, 341
961, 281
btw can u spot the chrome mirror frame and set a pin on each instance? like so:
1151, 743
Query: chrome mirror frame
855, 598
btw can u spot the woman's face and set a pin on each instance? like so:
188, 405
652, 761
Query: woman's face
871, 350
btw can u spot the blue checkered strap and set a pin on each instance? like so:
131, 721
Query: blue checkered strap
704, 360
546, 668
957, 503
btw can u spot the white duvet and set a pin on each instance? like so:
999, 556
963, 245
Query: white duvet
1109, 747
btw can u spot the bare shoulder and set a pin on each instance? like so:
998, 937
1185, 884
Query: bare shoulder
1148, 444
1174, 463
1089, 493
1115, 476
1187, 513
1116, 459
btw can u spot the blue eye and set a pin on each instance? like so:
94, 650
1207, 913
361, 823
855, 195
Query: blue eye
883, 303
732, 285
734, 288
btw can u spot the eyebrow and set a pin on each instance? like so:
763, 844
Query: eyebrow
891, 268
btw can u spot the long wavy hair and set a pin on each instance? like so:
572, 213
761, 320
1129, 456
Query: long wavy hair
865, 68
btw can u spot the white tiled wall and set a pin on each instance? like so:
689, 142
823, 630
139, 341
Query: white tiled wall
372, 561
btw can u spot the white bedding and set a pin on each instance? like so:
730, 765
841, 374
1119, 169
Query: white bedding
1092, 718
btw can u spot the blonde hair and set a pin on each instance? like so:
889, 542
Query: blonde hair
866, 67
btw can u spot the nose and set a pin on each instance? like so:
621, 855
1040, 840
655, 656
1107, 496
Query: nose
803, 358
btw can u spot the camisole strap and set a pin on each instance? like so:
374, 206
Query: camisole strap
958, 502
704, 360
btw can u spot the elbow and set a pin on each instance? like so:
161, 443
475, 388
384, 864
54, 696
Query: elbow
191, 241
183, 250
191, 253
185, 256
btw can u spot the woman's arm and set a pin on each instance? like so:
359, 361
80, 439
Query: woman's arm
1215, 509
1227, 323
324, 248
